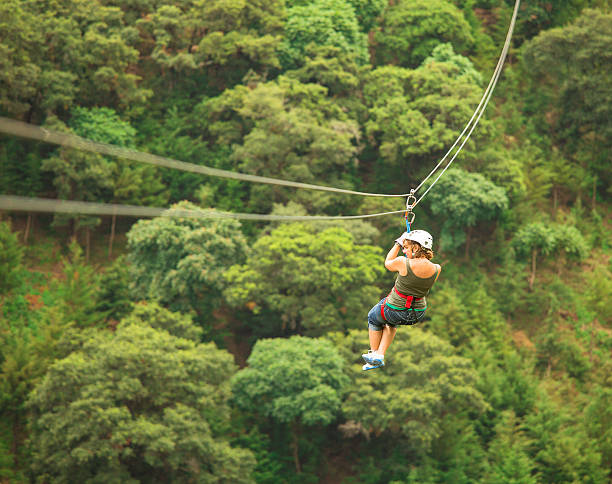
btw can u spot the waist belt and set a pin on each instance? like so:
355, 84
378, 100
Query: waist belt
409, 300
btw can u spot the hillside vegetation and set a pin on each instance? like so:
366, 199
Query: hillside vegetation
229, 351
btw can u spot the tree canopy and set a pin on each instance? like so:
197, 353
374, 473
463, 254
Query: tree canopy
307, 281
180, 261
126, 406
572, 64
425, 382
410, 30
322, 22
179, 349
285, 129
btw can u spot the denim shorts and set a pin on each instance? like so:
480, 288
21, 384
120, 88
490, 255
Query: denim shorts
394, 317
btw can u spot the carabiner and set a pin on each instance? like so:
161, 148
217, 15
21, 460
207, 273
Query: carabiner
411, 215
410, 198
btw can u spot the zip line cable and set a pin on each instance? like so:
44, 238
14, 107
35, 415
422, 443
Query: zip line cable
25, 130
485, 99
451, 160
27, 204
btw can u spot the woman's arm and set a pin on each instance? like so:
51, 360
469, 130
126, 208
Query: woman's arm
393, 262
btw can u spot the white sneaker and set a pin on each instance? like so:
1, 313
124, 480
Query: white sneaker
367, 366
373, 358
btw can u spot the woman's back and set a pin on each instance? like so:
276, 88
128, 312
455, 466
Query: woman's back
419, 277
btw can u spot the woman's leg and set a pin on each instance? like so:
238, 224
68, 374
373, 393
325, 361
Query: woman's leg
375, 325
375, 337
388, 333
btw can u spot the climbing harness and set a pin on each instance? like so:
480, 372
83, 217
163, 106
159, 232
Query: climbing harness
409, 299
408, 305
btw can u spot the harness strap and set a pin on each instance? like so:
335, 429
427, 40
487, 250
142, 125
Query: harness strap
382, 309
409, 299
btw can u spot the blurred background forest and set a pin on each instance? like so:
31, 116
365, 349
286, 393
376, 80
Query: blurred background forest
221, 351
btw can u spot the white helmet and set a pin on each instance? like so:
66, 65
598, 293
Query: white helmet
421, 237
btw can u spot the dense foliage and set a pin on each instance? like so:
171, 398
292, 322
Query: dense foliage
219, 351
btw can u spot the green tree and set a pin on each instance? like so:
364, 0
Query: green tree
322, 22
598, 422
81, 176
560, 448
564, 173
508, 454
26, 353
569, 73
467, 199
178, 136
541, 15
559, 351
11, 255
55, 55
215, 42
137, 405
114, 298
307, 281
287, 380
367, 12
180, 262
362, 231
599, 291
424, 382
20, 167
445, 53
414, 116
158, 317
103, 125
410, 29
539, 238
19, 73
464, 325
289, 130
76, 292
134, 184
337, 71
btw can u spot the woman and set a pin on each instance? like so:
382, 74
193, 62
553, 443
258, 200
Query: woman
406, 303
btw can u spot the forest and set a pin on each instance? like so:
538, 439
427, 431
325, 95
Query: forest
222, 350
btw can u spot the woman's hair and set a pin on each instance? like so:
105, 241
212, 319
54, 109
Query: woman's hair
418, 250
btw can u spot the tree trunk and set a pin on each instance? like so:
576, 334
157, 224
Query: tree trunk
87, 243
594, 196
554, 208
112, 236
26, 235
295, 448
533, 268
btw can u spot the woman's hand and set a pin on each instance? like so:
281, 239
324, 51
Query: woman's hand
400, 240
